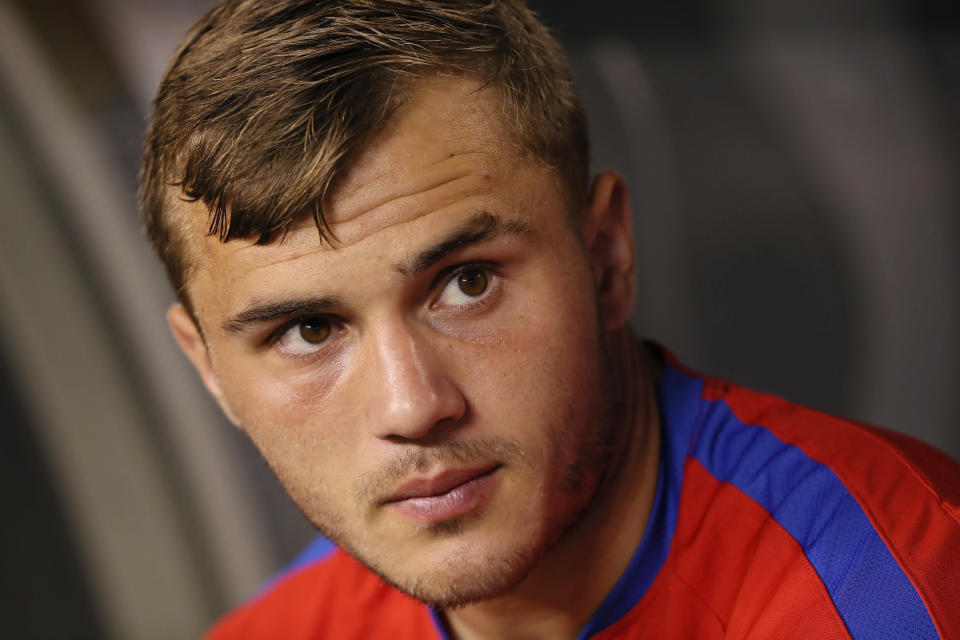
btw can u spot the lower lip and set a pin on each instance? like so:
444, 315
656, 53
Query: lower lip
456, 502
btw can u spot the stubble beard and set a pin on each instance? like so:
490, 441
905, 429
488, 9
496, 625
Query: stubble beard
467, 577
583, 446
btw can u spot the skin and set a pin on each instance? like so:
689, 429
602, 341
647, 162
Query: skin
521, 368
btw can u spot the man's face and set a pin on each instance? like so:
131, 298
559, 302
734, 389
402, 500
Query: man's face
434, 392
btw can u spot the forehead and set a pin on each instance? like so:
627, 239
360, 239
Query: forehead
448, 126
444, 154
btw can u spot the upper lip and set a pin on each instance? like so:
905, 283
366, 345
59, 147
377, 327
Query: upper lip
438, 484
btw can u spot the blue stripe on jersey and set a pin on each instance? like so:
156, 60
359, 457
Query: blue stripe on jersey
318, 549
869, 589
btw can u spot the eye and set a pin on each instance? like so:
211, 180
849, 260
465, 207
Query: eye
306, 335
472, 282
464, 287
314, 330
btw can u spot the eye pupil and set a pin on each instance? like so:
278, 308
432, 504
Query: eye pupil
314, 330
473, 282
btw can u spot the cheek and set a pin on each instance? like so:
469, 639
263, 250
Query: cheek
307, 444
267, 390
294, 419
557, 328
545, 355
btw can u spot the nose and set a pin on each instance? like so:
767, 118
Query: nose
412, 391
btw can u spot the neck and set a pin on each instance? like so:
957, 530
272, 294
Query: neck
567, 586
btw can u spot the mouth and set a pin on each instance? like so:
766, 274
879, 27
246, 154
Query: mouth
447, 495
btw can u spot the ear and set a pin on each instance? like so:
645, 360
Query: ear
608, 235
187, 335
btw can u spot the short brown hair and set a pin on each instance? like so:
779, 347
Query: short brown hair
265, 99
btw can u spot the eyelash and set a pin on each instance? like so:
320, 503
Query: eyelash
336, 329
440, 282
446, 276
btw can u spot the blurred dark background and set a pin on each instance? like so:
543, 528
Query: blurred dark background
793, 167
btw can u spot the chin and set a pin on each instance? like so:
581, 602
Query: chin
466, 577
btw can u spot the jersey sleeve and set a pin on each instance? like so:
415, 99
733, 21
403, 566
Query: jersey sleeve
909, 491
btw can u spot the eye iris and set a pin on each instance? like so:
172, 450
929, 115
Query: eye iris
315, 330
472, 283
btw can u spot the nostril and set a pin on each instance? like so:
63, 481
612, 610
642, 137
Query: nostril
414, 411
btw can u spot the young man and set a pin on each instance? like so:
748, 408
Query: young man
395, 278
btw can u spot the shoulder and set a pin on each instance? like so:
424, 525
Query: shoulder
896, 479
877, 513
327, 597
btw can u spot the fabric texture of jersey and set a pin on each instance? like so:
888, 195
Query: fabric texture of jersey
770, 521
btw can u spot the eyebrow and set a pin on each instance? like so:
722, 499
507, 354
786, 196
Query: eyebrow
482, 225
263, 311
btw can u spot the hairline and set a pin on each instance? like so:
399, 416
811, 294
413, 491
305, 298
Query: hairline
190, 249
